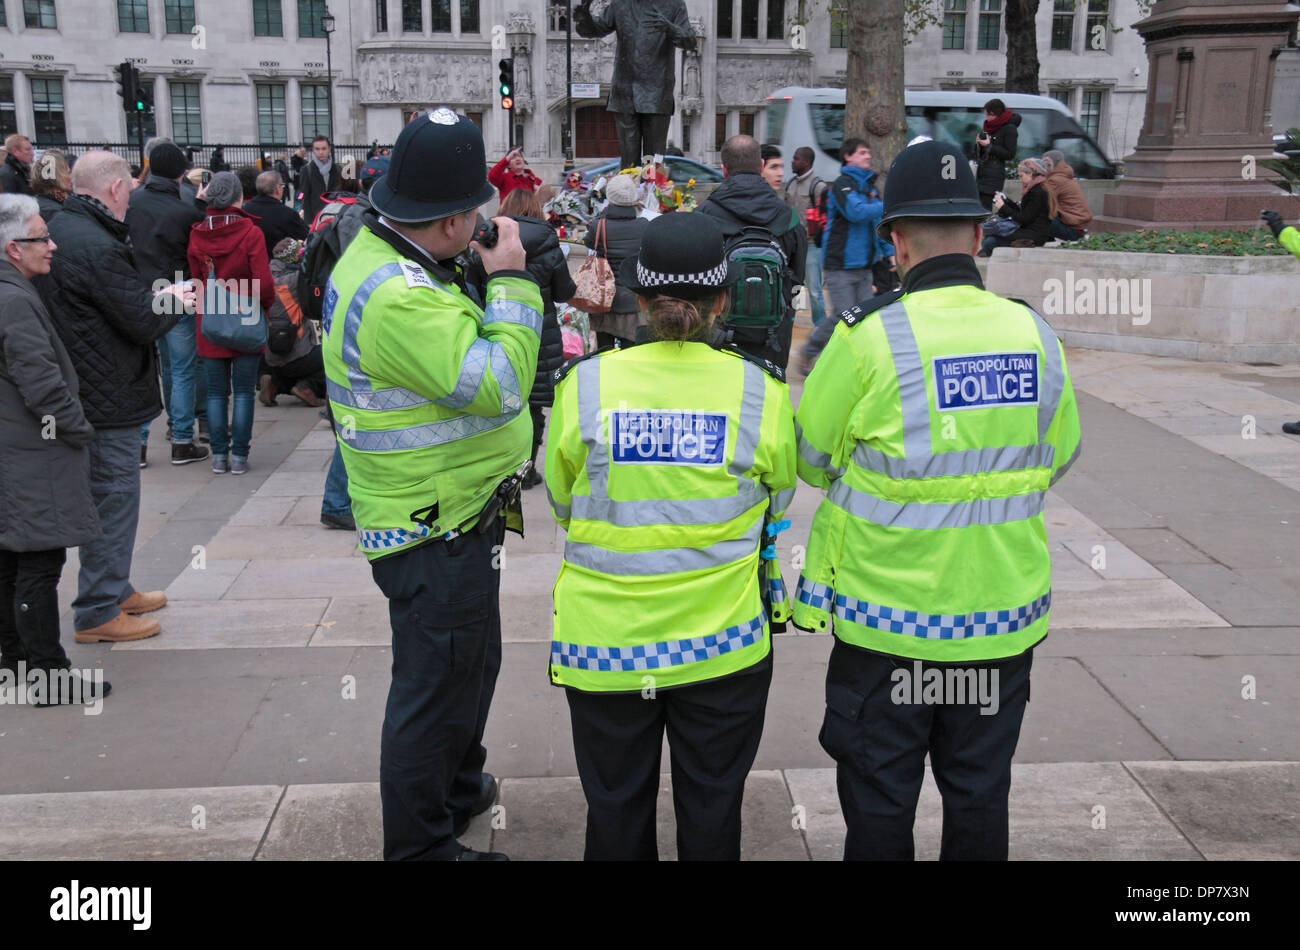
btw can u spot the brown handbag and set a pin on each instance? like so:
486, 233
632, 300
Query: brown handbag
595, 278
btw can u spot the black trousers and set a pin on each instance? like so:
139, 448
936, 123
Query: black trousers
713, 734
879, 747
29, 608
640, 134
309, 369
446, 618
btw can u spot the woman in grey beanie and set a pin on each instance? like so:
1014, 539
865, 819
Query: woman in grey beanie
229, 242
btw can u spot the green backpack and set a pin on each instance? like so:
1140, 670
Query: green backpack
760, 275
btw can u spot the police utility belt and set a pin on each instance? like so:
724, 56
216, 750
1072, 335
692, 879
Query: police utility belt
505, 500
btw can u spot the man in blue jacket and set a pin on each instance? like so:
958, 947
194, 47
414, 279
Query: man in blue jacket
850, 245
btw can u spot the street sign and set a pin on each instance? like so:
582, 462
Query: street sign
585, 90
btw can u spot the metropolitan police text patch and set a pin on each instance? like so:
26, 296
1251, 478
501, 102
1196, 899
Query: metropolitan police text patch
985, 380
668, 437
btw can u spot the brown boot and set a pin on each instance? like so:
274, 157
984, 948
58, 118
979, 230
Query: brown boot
143, 603
266, 390
308, 395
120, 628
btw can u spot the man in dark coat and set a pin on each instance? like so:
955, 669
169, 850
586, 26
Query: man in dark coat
276, 221
45, 464
320, 176
641, 94
994, 147
15, 173
159, 221
619, 239
745, 199
109, 319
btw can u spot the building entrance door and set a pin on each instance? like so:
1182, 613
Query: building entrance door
594, 133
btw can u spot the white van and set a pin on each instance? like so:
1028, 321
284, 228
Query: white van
815, 117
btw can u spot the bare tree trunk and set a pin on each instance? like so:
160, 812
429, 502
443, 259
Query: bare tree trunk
873, 98
1022, 47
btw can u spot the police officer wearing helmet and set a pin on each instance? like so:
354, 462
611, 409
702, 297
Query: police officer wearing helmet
935, 420
428, 392
669, 464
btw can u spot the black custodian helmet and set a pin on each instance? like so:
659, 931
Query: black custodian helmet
930, 180
438, 169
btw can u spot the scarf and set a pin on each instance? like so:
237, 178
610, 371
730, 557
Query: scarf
995, 123
324, 168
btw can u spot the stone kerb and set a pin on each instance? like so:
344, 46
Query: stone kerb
1215, 308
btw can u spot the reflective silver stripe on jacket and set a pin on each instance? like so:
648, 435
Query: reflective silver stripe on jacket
421, 436
919, 461
676, 511
780, 500
360, 392
473, 368
933, 515
813, 455
512, 311
664, 561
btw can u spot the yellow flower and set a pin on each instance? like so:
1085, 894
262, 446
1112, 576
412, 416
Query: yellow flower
691, 183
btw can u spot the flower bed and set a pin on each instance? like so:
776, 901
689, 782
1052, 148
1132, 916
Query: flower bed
1255, 243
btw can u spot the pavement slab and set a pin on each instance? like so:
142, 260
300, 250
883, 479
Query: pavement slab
208, 624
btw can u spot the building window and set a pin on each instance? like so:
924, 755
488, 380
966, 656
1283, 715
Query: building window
749, 19
310, 17
726, 29
476, 118
315, 110
686, 137
39, 14
187, 125
558, 17
412, 16
47, 109
8, 112
1098, 25
381, 16
954, 24
1090, 112
990, 24
719, 130
776, 19
1061, 94
271, 124
180, 16
440, 13
133, 16
839, 26
468, 16
747, 123
1063, 24
4, 17
266, 18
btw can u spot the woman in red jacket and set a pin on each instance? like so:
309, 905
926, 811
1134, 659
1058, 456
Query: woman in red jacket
512, 172
229, 242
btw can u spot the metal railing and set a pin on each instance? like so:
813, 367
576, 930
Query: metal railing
201, 155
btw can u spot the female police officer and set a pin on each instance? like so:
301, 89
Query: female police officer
667, 463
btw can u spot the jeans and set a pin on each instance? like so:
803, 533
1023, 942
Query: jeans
847, 287
444, 608
227, 375
105, 577
179, 378
29, 608
1063, 232
336, 500
813, 281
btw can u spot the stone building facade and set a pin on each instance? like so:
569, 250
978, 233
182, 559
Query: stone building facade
250, 71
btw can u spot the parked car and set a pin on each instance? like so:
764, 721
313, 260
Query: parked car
679, 170
815, 117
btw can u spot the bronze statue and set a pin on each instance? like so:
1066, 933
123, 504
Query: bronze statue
641, 94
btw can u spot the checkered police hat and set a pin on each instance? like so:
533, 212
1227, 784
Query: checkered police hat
681, 255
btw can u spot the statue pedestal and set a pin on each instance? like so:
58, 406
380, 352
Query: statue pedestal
1208, 119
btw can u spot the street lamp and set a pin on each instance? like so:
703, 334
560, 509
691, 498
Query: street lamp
327, 24
567, 128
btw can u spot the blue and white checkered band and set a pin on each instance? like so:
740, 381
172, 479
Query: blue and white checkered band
709, 278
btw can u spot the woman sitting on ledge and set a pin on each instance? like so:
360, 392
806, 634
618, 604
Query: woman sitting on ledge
1033, 213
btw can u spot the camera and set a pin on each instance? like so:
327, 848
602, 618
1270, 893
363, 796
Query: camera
486, 234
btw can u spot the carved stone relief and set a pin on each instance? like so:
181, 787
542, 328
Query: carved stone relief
427, 78
747, 81
593, 61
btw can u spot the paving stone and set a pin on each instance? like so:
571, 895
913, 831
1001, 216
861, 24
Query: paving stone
1213, 641
1140, 603
293, 483
355, 621
285, 541
261, 511
1161, 546
306, 510
308, 460
545, 820
1195, 707
150, 825
326, 822
1114, 560
205, 624
1231, 811
211, 583
303, 578
1231, 595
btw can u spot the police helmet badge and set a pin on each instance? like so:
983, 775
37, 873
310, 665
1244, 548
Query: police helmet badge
443, 116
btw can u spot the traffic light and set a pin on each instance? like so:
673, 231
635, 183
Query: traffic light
143, 97
128, 87
507, 88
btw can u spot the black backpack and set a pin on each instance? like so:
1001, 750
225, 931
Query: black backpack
759, 280
332, 231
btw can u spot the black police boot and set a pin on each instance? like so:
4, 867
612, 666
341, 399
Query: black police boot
1291, 428
487, 797
469, 854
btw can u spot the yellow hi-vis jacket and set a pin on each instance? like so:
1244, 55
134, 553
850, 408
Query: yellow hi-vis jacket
936, 425
663, 462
